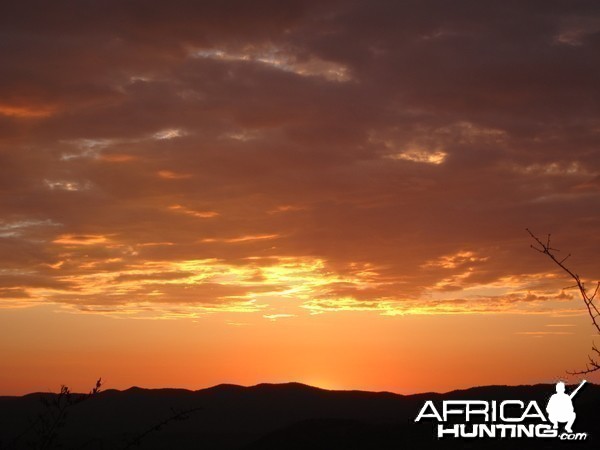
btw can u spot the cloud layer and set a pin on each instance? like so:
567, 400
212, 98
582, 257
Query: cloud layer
286, 158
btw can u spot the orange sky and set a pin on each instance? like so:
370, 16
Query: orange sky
334, 193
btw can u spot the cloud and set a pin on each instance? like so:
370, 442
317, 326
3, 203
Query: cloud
79, 240
329, 156
280, 59
193, 213
170, 175
421, 156
544, 333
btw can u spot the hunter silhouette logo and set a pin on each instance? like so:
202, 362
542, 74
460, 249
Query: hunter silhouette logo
506, 418
560, 407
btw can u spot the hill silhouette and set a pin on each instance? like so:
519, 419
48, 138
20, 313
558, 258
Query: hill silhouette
277, 416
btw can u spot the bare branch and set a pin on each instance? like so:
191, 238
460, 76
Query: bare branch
48, 423
590, 367
545, 248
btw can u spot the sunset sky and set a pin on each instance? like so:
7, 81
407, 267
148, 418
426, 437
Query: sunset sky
328, 192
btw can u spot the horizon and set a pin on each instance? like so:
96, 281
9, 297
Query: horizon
332, 192
301, 385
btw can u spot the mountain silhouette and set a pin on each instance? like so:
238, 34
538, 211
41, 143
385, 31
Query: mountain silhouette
276, 416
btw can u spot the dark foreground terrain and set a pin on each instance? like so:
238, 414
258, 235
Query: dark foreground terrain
285, 416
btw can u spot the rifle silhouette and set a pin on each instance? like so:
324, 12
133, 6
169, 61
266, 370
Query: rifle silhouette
572, 394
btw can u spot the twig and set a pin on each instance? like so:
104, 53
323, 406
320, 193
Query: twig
176, 416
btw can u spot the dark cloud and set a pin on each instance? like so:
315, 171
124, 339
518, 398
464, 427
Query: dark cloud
301, 150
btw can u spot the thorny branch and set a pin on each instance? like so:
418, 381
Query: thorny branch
546, 249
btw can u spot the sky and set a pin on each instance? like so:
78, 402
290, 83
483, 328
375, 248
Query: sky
328, 192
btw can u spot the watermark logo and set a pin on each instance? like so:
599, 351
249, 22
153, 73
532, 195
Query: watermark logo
505, 419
